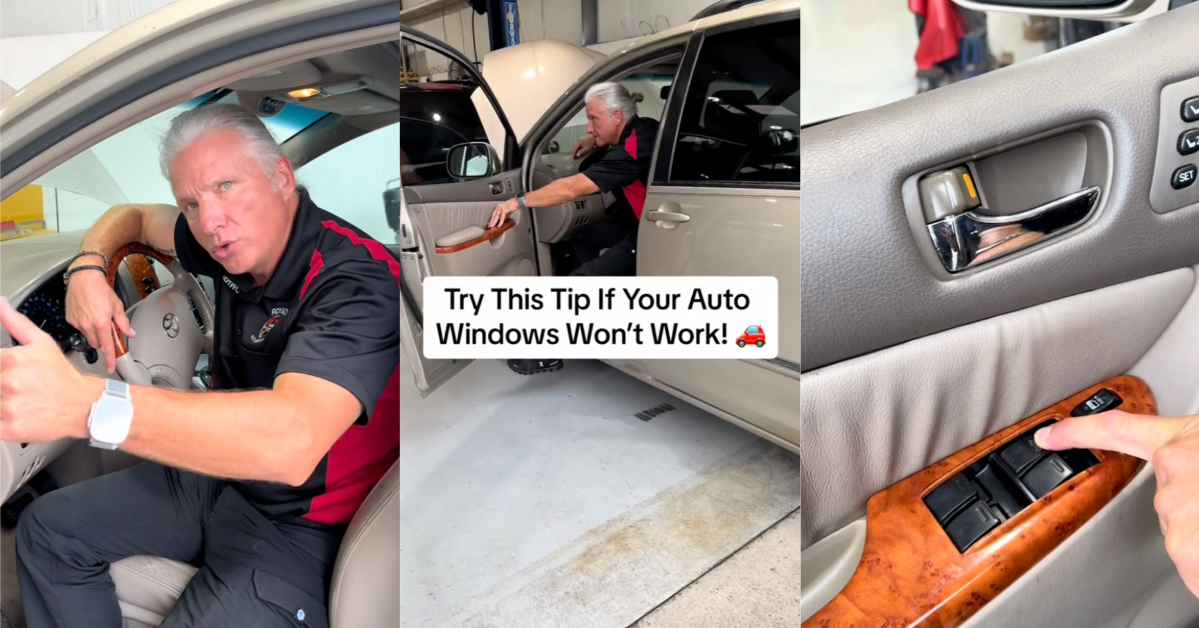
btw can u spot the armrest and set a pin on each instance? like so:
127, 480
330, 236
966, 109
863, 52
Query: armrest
460, 236
453, 243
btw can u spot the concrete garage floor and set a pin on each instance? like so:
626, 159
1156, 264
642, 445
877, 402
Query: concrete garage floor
543, 501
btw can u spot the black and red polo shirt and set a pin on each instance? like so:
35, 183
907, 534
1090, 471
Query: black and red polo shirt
331, 310
624, 167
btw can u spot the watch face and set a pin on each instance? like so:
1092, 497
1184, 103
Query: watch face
110, 422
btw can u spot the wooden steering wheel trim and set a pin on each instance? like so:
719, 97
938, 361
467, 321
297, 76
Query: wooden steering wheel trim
135, 248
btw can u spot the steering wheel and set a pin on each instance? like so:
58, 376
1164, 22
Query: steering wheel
170, 341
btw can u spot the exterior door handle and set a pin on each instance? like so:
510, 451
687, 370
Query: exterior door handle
970, 239
668, 215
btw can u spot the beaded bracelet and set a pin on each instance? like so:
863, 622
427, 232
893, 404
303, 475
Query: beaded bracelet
86, 253
70, 271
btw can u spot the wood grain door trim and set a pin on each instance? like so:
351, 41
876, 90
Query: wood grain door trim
912, 575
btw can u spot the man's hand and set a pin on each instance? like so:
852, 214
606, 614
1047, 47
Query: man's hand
584, 145
501, 213
42, 397
1172, 445
93, 307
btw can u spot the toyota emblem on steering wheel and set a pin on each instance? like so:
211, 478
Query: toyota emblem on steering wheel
170, 324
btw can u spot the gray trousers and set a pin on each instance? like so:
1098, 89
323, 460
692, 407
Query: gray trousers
254, 571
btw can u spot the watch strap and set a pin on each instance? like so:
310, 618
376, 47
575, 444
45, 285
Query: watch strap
117, 388
520, 201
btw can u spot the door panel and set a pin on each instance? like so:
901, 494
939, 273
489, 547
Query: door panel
1171, 367
731, 233
443, 227
907, 362
902, 409
865, 261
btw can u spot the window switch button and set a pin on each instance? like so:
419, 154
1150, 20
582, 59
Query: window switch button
947, 499
971, 525
1022, 453
1047, 475
1101, 401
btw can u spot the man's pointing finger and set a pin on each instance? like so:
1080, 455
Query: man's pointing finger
1132, 434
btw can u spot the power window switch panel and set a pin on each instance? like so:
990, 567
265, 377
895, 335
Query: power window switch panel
1047, 475
1101, 401
946, 500
970, 526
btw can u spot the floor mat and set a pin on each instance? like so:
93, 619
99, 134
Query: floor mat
548, 502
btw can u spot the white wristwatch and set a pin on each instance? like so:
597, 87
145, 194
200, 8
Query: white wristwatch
111, 416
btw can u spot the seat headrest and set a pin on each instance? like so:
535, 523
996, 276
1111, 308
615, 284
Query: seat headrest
729, 116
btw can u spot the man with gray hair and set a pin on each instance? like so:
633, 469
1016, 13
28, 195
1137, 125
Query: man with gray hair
623, 169
254, 484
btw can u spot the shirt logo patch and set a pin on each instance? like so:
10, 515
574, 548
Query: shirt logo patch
266, 329
229, 282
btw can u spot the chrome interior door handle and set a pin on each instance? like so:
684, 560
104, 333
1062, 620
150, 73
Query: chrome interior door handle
969, 239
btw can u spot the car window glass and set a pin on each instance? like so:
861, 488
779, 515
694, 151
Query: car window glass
350, 180
650, 85
120, 169
434, 117
740, 120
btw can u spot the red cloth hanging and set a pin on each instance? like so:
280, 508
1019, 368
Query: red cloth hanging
942, 32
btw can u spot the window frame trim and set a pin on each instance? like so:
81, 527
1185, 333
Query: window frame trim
664, 156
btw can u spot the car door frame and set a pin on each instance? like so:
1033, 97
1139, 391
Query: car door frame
37, 134
431, 374
772, 418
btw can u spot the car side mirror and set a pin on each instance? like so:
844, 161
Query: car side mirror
664, 93
553, 147
472, 160
782, 141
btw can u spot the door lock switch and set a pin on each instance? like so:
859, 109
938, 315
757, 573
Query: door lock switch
1101, 401
947, 193
970, 525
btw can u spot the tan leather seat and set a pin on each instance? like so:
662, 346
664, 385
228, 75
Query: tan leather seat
366, 579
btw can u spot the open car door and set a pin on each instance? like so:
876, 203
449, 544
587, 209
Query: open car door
451, 180
938, 328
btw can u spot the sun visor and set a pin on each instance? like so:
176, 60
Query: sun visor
292, 75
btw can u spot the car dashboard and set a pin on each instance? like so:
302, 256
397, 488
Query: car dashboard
46, 308
31, 277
